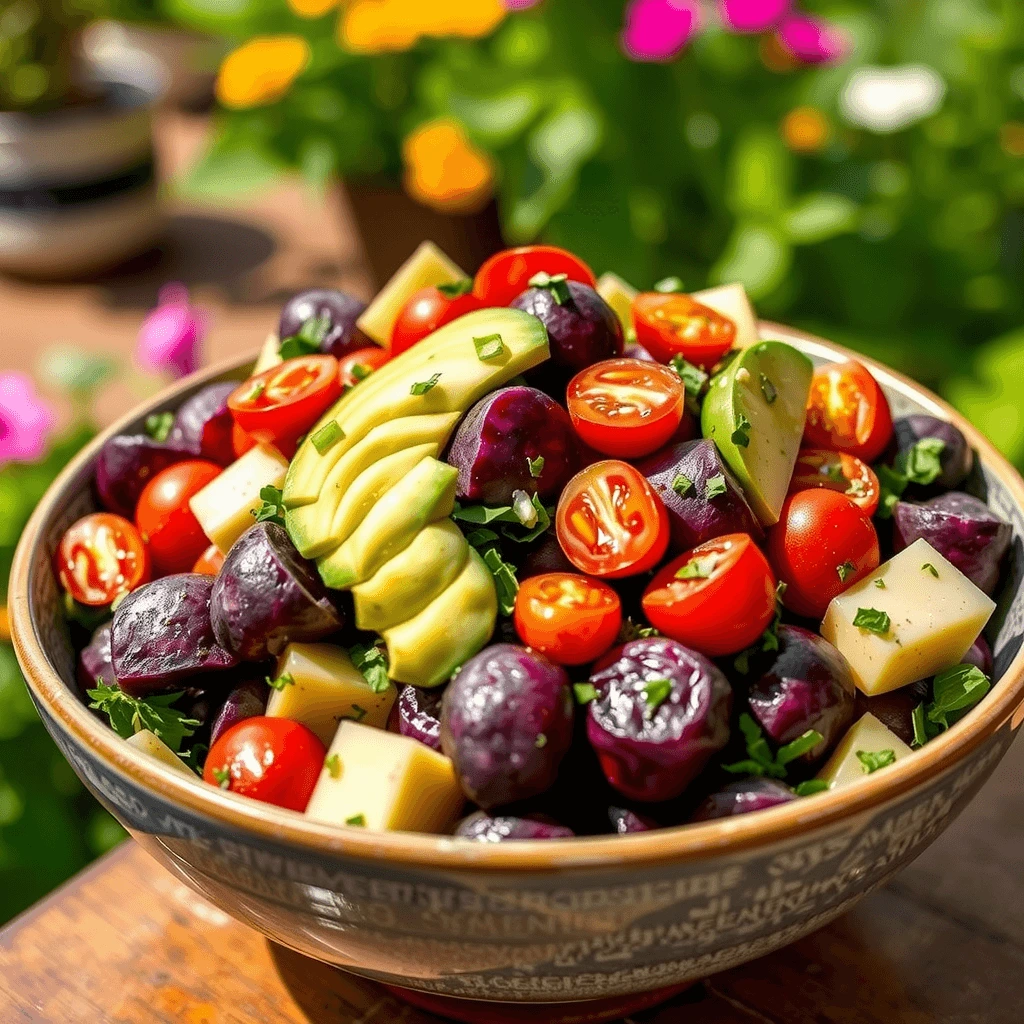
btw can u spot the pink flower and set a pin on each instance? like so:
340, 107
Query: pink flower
812, 40
25, 419
172, 334
752, 15
658, 30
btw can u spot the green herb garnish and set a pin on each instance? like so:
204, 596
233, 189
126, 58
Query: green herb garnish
488, 347
872, 760
359, 371
584, 692
284, 680
880, 583
682, 485
694, 380
670, 285
873, 621
536, 466
629, 630
505, 580
844, 570
541, 741
308, 340
423, 386
456, 289
760, 760
373, 664
360, 713
272, 509
923, 732
324, 439
333, 766
506, 518
129, 715
158, 425
222, 777
741, 435
356, 819
954, 690
257, 389
921, 463
891, 488
656, 691
928, 567
768, 389
697, 568
557, 284
811, 786
715, 486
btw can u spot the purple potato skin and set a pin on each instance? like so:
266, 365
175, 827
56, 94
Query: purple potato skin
483, 828
743, 796
980, 655
342, 310
267, 595
635, 350
694, 519
419, 715
94, 661
625, 822
547, 556
808, 685
203, 424
655, 756
492, 714
956, 459
126, 463
961, 528
247, 700
162, 633
499, 436
895, 708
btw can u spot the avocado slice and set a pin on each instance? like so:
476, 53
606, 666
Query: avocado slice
754, 412
423, 495
426, 649
405, 585
461, 378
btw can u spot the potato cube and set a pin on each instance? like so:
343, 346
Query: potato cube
149, 743
866, 736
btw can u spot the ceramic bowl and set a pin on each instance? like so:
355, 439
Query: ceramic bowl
533, 921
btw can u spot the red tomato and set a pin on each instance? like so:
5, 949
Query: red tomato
282, 403
166, 522
507, 274
674, 324
609, 521
822, 544
848, 412
100, 557
569, 618
717, 598
626, 407
358, 365
428, 309
241, 442
837, 471
274, 760
209, 562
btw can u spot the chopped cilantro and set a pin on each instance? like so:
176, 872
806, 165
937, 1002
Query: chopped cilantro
873, 621
272, 509
768, 389
803, 743
682, 485
585, 692
507, 519
656, 691
556, 284
921, 462
360, 371
327, 437
129, 715
954, 691
536, 466
844, 570
284, 680
872, 760
423, 386
356, 819
541, 741
832, 471
892, 485
490, 346
741, 435
223, 777
373, 664
880, 583
159, 424
333, 766
694, 380
670, 285
255, 391
697, 568
631, 631
811, 786
504, 580
455, 289
928, 567
715, 486
308, 338
760, 760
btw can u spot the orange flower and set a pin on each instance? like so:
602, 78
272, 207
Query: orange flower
444, 170
805, 129
5, 625
261, 71
373, 26
312, 8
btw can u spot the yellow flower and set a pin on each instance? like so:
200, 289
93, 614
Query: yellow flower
805, 129
312, 8
373, 26
261, 70
5, 625
444, 170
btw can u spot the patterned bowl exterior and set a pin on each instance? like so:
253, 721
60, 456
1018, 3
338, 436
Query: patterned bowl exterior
535, 921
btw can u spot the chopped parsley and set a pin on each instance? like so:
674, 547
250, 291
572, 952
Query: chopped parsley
508, 520
257, 389
844, 570
631, 631
768, 389
832, 471
873, 621
272, 509
872, 760
697, 568
811, 786
656, 692
324, 439
541, 741
556, 284
283, 681
360, 713
715, 486
158, 425
505, 580
373, 664
928, 567
333, 766
670, 285
682, 485
880, 583
423, 386
308, 339
222, 777
490, 346
359, 371
741, 435
356, 819
536, 466
891, 485
921, 463
760, 760
694, 380
129, 715
456, 289
584, 692
954, 692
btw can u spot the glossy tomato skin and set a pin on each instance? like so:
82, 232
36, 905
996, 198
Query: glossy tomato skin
673, 324
100, 557
837, 471
507, 274
209, 562
626, 407
567, 617
241, 442
274, 760
425, 312
358, 365
822, 544
165, 520
610, 522
720, 613
847, 411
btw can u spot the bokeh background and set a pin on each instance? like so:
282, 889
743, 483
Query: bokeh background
859, 166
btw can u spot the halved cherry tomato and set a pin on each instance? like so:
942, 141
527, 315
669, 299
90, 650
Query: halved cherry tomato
626, 407
275, 760
358, 365
507, 274
673, 324
837, 471
431, 308
609, 521
241, 442
717, 598
822, 544
848, 411
100, 557
209, 562
164, 518
569, 618
282, 403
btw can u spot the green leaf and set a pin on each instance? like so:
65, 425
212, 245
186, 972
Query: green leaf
158, 425
76, 371
333, 766
324, 439
682, 485
456, 289
536, 466
584, 692
791, 751
770, 393
923, 729
272, 509
929, 568
282, 682
956, 689
758, 256
699, 568
504, 580
811, 786
423, 386
872, 760
741, 435
656, 692
373, 664
129, 715
873, 621
693, 377
714, 486
488, 347
669, 285
483, 514
759, 174
891, 488
845, 570
921, 463
229, 171
356, 819
556, 284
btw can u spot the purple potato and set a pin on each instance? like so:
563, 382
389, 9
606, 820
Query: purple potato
544, 557
162, 633
267, 595
980, 655
419, 714
203, 424
342, 312
962, 529
895, 708
506, 722
635, 350
94, 661
743, 796
693, 518
653, 751
483, 828
126, 463
806, 685
247, 700
502, 435
955, 459
625, 822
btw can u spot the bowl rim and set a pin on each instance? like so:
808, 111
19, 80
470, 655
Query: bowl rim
677, 843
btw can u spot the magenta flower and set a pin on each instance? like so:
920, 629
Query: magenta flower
658, 30
812, 40
26, 419
752, 15
171, 336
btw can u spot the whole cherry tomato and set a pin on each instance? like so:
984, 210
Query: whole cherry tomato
358, 365
848, 411
626, 407
274, 760
674, 324
101, 557
209, 562
507, 274
164, 518
822, 544
717, 598
431, 308
610, 522
241, 442
570, 618
837, 471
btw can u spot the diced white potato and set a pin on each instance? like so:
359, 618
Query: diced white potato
326, 689
935, 614
619, 295
269, 356
868, 736
731, 300
149, 743
225, 506
425, 267
385, 782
